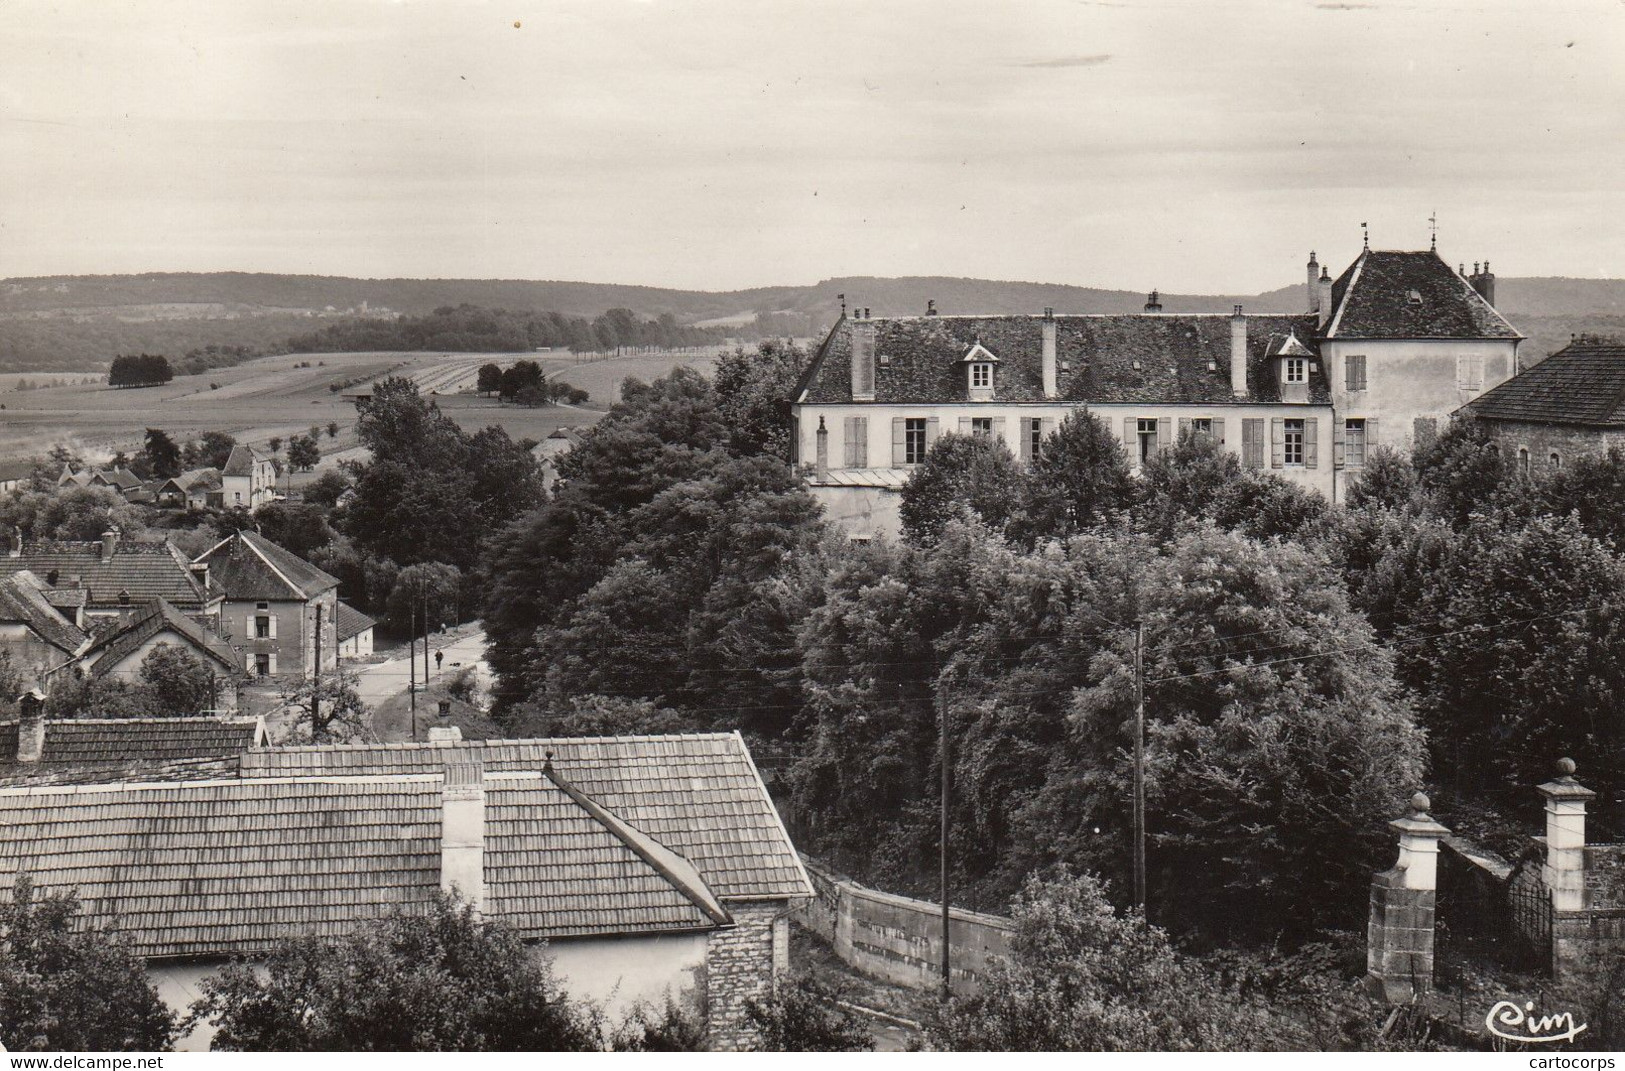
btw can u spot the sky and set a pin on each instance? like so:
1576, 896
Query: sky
1189, 145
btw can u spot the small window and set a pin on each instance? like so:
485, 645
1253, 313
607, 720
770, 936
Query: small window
981, 376
1292, 443
981, 425
1354, 444
914, 441
262, 628
1147, 435
262, 606
1523, 461
1469, 373
1415, 297
1297, 370
1555, 461
1202, 428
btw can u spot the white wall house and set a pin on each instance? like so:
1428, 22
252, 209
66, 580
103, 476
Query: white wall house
1399, 338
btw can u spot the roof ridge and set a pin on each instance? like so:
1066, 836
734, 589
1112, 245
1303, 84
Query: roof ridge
413, 745
266, 558
678, 871
1356, 268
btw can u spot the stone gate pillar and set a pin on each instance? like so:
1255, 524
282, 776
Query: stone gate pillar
1399, 935
1564, 871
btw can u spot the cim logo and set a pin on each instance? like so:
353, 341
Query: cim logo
1505, 1019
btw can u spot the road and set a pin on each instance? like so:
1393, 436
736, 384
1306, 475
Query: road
379, 682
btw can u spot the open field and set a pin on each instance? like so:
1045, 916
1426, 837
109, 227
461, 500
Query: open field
278, 397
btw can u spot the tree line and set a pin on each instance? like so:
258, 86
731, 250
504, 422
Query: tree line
472, 329
139, 370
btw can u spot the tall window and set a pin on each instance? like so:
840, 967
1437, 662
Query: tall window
1297, 370
857, 442
1354, 372
1554, 461
914, 441
1035, 437
1147, 435
262, 665
1292, 443
1523, 461
981, 375
1354, 444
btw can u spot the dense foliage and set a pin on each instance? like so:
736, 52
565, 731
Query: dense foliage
473, 329
68, 988
139, 370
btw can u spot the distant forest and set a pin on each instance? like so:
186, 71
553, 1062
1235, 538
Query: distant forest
472, 329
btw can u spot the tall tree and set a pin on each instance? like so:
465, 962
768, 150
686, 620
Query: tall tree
489, 379
753, 395
160, 457
1079, 479
961, 473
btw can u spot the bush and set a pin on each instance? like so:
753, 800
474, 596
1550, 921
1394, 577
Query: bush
804, 1014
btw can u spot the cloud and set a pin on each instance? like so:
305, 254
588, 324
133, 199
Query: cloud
1068, 61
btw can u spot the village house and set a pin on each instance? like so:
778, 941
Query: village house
120, 652
275, 601
114, 578
1570, 404
193, 489
35, 635
1384, 352
15, 474
34, 746
354, 633
642, 862
248, 480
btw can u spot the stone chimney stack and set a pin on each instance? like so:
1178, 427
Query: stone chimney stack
1313, 287
1564, 871
109, 544
1325, 306
1052, 382
1483, 282
462, 831
31, 727
821, 468
931, 307
1153, 302
1238, 353
1399, 933
863, 357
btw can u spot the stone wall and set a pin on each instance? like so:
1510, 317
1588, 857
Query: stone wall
1579, 938
1543, 440
1399, 939
740, 963
897, 939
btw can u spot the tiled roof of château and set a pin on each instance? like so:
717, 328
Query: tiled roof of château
1181, 358
1390, 294
1581, 384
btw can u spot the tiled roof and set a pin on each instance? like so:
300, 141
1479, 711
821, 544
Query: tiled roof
213, 868
16, 470
1583, 383
156, 617
249, 566
23, 600
144, 570
241, 461
698, 794
208, 479
1388, 294
352, 622
116, 742
919, 359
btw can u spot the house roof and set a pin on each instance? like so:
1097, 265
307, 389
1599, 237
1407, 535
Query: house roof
143, 570
241, 461
1393, 294
1581, 384
1182, 358
352, 622
222, 866
205, 479
155, 618
123, 479
249, 566
120, 742
23, 601
17, 470
698, 794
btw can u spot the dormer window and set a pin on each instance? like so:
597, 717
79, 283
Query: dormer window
1415, 297
981, 376
1297, 370
979, 362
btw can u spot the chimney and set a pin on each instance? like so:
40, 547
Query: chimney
1564, 872
821, 467
1152, 304
1052, 385
863, 359
109, 544
462, 831
31, 727
1484, 282
1314, 282
931, 307
1325, 307
445, 711
1238, 353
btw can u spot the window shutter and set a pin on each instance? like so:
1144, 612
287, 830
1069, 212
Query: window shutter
1218, 430
1024, 448
848, 441
1048, 426
271, 661
1370, 434
964, 425
861, 426
1131, 428
1277, 441
998, 428
1339, 445
272, 619
1184, 428
1165, 433
899, 442
931, 433
1311, 443
1249, 443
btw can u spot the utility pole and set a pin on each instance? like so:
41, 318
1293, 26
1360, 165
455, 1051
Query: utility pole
412, 664
1139, 765
316, 679
942, 759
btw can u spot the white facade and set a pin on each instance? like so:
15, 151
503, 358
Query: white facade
1411, 380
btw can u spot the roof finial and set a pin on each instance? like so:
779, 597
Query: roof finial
843, 303
1433, 225
1366, 228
